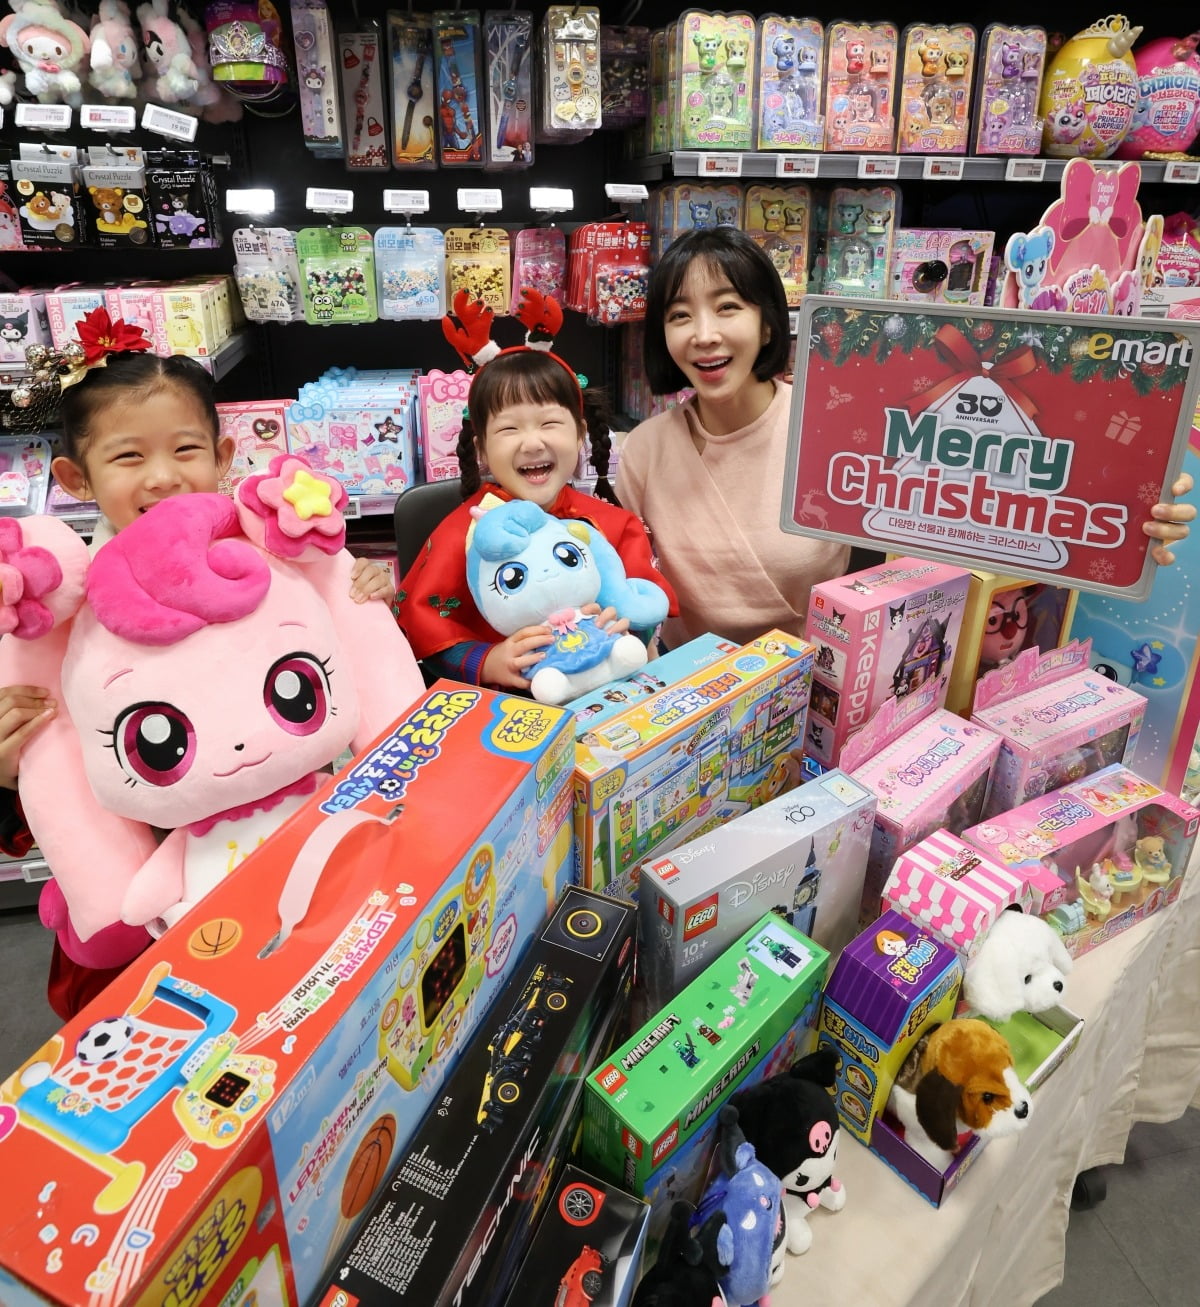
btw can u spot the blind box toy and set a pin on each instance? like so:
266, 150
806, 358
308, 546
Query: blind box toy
698, 753
449, 1225
803, 856
881, 632
1099, 854
238, 1092
1058, 721
666, 1082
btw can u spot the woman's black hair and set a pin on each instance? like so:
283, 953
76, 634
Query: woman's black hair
531, 376
733, 255
123, 373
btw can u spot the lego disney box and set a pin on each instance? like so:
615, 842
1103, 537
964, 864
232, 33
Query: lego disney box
689, 758
803, 856
214, 1124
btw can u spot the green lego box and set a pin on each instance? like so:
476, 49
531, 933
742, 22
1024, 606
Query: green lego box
660, 1087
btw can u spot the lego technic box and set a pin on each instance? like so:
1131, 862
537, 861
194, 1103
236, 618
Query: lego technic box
450, 1225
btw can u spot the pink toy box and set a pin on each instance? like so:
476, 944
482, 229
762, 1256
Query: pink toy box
885, 631
258, 433
441, 402
940, 265
1058, 720
1099, 855
928, 768
953, 891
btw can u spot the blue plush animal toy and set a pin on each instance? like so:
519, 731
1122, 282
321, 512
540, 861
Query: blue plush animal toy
526, 568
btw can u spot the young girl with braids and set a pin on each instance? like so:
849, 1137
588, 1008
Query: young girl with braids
527, 417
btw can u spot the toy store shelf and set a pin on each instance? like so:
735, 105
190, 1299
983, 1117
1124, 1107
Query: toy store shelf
229, 354
370, 506
692, 163
21, 880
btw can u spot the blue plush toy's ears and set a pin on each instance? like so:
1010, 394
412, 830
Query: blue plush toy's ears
725, 1246
642, 602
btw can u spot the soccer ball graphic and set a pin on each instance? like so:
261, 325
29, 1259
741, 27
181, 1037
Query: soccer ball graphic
103, 1040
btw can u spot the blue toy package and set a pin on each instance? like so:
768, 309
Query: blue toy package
456, 48
410, 275
508, 36
791, 57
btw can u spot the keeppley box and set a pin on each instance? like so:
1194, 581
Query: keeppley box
220, 1118
700, 752
885, 631
455, 1217
803, 856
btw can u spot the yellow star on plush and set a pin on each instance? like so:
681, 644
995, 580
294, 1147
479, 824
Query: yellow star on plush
309, 496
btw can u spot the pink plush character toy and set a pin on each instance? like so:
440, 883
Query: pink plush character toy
208, 663
168, 54
48, 48
115, 63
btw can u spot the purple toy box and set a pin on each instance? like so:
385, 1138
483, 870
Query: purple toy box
1058, 722
886, 631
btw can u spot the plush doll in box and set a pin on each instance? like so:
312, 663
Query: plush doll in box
208, 663
1020, 967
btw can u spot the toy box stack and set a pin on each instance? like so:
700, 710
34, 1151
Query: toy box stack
1099, 855
236, 1103
803, 856
709, 748
884, 631
1058, 722
449, 1226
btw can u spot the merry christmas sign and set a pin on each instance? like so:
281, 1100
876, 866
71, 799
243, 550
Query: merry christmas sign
1032, 444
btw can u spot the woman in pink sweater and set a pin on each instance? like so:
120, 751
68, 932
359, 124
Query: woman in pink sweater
707, 477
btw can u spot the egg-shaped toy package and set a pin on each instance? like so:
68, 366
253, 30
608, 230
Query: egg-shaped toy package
1008, 84
860, 72
1168, 112
791, 59
936, 68
1090, 93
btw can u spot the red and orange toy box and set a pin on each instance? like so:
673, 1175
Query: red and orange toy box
215, 1123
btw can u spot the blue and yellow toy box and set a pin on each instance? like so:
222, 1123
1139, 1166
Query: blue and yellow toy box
213, 1126
702, 751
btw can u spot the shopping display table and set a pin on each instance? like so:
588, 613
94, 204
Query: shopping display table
1000, 1237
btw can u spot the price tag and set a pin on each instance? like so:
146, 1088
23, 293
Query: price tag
1025, 170
794, 321
108, 117
167, 122
49, 117
473, 199
250, 202
879, 167
943, 169
551, 199
352, 512
798, 165
406, 201
1182, 172
326, 199
374, 505
83, 526
719, 165
626, 193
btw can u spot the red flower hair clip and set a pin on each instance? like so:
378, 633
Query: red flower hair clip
101, 336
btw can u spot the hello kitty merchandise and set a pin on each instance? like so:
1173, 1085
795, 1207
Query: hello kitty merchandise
49, 50
115, 66
207, 663
526, 568
171, 70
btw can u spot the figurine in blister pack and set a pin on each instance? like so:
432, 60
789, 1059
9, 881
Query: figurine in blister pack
777, 219
935, 88
1010, 79
860, 67
859, 242
716, 57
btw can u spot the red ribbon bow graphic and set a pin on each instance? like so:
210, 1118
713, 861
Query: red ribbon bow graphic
966, 363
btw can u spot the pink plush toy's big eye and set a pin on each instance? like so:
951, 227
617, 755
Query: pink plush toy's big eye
155, 743
297, 693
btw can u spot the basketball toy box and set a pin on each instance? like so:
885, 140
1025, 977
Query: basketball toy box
215, 1122
802, 856
587, 1248
1058, 722
695, 755
882, 632
1098, 855
668, 1080
455, 1217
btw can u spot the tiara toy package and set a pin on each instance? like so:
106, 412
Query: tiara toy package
928, 768
267, 274
715, 90
414, 95
540, 263
441, 399
410, 272
458, 72
803, 856
777, 220
860, 68
258, 433
477, 261
317, 78
1059, 721
363, 105
858, 244
182, 201
570, 75
936, 69
1008, 84
940, 265
1099, 855
508, 41
337, 265
791, 59
881, 632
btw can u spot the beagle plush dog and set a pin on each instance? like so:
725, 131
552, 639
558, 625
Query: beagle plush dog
958, 1077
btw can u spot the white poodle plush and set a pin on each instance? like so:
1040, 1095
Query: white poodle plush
1021, 967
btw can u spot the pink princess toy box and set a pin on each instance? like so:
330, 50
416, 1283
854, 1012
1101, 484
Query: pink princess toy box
928, 768
885, 631
1058, 722
1099, 855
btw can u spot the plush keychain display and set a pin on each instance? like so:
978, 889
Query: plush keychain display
168, 54
1020, 967
50, 51
115, 66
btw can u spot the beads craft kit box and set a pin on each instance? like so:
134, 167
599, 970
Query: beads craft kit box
455, 1216
1098, 855
257, 429
1058, 721
704, 750
802, 856
215, 1122
884, 631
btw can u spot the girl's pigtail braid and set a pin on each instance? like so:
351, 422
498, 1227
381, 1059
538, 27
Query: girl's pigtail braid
597, 421
468, 459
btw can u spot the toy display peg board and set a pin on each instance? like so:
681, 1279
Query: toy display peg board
1034, 443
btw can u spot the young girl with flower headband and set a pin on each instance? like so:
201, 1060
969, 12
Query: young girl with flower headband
527, 416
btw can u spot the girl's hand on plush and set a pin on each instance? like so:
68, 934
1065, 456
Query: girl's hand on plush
24, 710
508, 662
369, 580
606, 619
1169, 522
